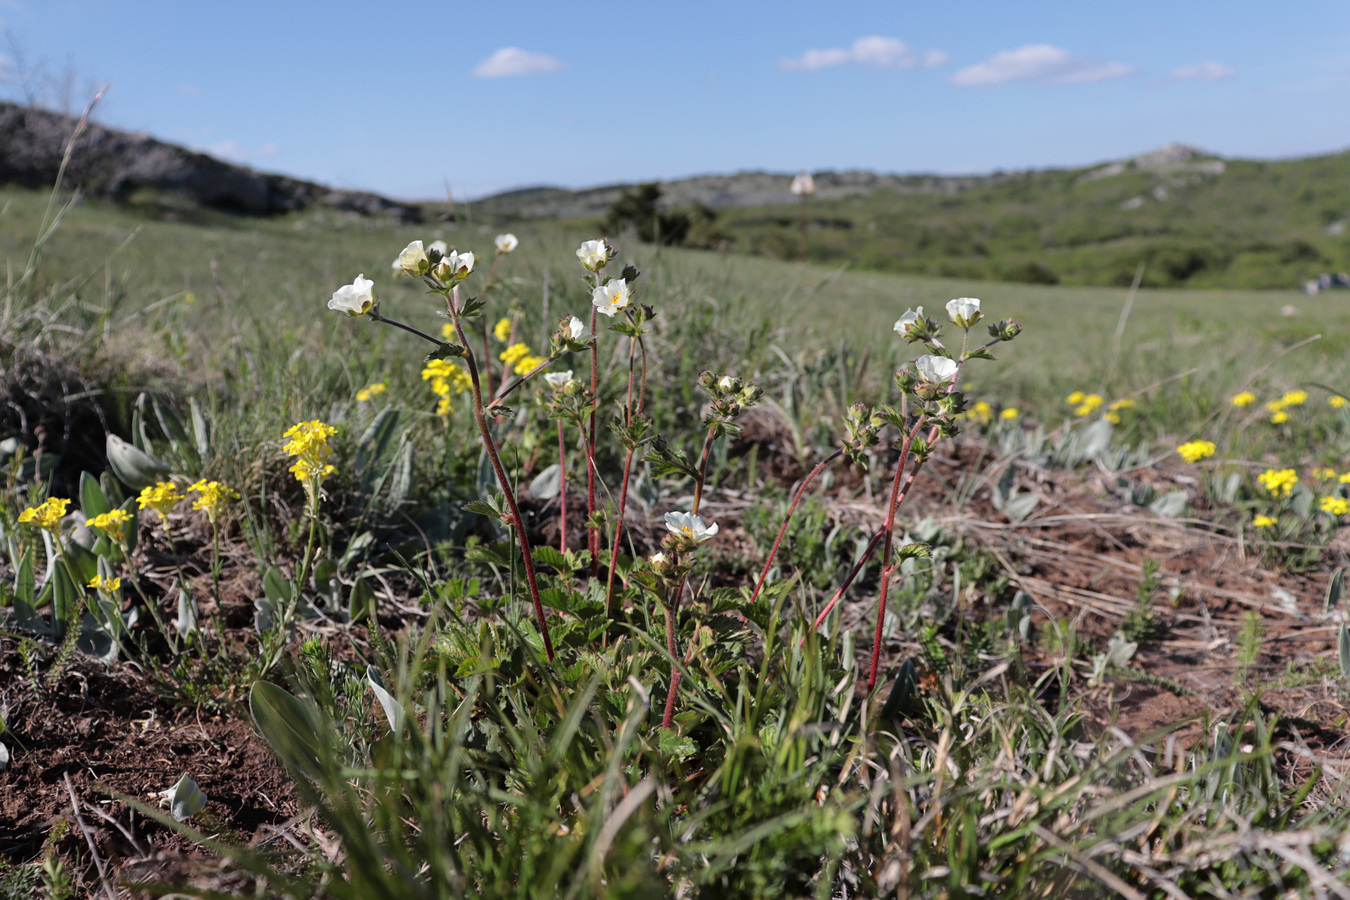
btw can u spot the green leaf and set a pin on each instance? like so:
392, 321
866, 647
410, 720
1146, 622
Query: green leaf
276, 586
483, 508
185, 799
92, 501
171, 424
377, 444
294, 730
1335, 590
201, 429
133, 467
393, 710
546, 484
672, 743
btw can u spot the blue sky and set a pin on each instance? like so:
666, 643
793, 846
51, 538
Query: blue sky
404, 98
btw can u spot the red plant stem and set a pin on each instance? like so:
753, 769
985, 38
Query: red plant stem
562, 487
703, 469
593, 531
490, 446
676, 674
788, 518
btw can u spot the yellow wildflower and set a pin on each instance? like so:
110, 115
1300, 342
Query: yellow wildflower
1090, 404
529, 364
306, 471
1246, 398
1194, 451
1124, 403
1337, 506
163, 497
1336, 401
1075, 398
502, 330
211, 496
1344, 479
981, 412
1294, 398
1009, 414
1279, 417
309, 444
112, 523
448, 331
110, 585
1323, 473
512, 354
1263, 521
1279, 482
370, 391
46, 516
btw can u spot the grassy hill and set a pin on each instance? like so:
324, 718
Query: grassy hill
1193, 220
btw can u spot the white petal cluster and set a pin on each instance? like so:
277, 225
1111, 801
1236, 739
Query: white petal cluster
610, 298
558, 380
414, 259
935, 369
506, 243
690, 526
964, 311
440, 247
578, 331
905, 323
454, 267
354, 299
593, 255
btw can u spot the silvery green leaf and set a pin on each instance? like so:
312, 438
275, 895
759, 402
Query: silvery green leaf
1343, 650
4, 757
187, 613
185, 799
1169, 505
1335, 590
1120, 651
92, 500
201, 429
393, 710
292, 728
546, 484
134, 467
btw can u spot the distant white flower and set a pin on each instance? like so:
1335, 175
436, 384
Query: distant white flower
935, 369
558, 380
690, 526
413, 259
506, 243
454, 267
578, 331
610, 298
354, 299
964, 311
440, 247
803, 183
593, 255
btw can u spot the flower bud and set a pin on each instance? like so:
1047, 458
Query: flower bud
964, 311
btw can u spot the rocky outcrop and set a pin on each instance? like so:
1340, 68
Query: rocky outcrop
115, 164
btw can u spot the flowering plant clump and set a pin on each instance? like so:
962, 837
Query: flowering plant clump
1336, 401
1112, 414
520, 359
211, 497
107, 585
447, 380
47, 515
1278, 409
1264, 521
371, 391
1336, 506
308, 443
502, 330
1009, 414
1279, 482
1246, 398
1194, 451
1084, 404
162, 498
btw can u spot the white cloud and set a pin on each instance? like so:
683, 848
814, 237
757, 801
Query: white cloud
230, 151
515, 61
1203, 71
874, 52
1038, 62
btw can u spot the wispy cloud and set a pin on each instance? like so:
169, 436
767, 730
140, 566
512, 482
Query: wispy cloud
1201, 71
874, 52
514, 61
230, 151
1038, 62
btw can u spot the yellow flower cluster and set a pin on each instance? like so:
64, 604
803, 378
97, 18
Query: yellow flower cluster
447, 379
1009, 414
1278, 408
982, 412
1337, 506
1084, 404
211, 496
308, 442
371, 391
1323, 473
47, 515
110, 585
1246, 398
519, 357
1279, 482
163, 497
1194, 451
1337, 401
502, 330
1261, 521
1113, 411
112, 523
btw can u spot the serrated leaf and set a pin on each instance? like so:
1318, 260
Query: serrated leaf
483, 508
672, 743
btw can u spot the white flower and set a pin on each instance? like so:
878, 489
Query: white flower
964, 311
506, 243
578, 331
727, 383
593, 255
454, 267
558, 380
440, 247
690, 526
413, 259
906, 323
659, 560
354, 299
803, 183
935, 369
610, 298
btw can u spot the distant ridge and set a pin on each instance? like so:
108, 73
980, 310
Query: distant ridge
114, 164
